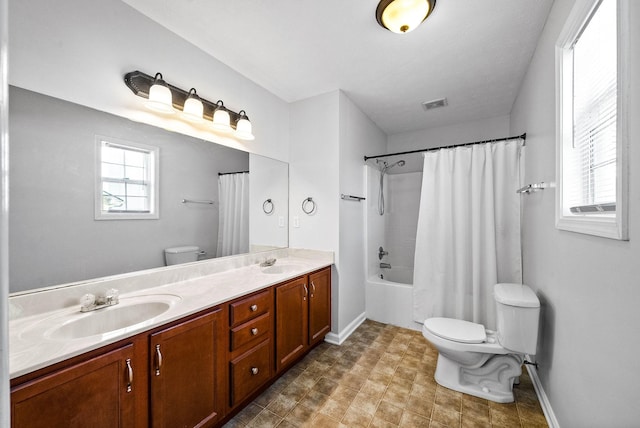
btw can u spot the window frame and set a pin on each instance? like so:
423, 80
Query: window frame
154, 178
608, 226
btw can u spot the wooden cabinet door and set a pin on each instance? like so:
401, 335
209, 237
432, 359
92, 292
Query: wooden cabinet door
319, 305
291, 321
97, 393
185, 373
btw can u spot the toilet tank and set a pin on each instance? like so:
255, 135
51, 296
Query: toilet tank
517, 316
177, 255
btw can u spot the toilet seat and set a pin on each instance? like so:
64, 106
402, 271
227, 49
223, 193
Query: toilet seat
456, 330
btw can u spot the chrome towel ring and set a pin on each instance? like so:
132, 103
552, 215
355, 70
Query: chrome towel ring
308, 205
267, 207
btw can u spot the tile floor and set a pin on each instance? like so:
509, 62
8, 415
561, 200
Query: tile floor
382, 376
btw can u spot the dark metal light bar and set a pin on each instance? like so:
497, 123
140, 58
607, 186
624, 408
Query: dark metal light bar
140, 82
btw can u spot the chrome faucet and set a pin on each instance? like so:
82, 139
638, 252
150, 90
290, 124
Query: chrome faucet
91, 302
385, 266
268, 262
382, 253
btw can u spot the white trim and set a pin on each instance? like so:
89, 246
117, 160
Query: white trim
542, 398
614, 227
338, 339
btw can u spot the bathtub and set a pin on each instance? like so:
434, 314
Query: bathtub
390, 299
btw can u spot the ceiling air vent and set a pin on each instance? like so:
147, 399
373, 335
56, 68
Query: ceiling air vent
430, 105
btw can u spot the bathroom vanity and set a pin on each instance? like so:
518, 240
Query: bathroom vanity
195, 364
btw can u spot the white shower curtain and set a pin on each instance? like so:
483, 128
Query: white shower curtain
233, 220
468, 235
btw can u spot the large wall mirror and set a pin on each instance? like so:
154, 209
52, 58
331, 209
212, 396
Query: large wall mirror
55, 235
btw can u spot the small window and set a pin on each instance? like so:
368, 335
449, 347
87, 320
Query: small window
591, 142
126, 180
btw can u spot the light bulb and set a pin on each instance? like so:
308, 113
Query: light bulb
193, 108
221, 119
244, 128
160, 98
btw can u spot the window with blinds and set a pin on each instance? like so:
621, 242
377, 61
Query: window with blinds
126, 180
590, 141
593, 189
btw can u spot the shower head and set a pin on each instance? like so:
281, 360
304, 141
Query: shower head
386, 166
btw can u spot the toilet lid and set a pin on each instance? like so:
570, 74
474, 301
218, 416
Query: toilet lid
456, 330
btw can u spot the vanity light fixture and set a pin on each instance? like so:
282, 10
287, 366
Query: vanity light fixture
166, 98
160, 98
193, 108
403, 16
221, 119
243, 127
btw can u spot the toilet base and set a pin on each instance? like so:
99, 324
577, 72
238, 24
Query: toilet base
492, 381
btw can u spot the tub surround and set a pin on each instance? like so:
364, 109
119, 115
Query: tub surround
199, 285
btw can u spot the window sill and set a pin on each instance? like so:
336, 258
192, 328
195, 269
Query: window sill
605, 226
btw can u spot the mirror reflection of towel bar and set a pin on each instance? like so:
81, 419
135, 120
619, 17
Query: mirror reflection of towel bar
196, 201
352, 198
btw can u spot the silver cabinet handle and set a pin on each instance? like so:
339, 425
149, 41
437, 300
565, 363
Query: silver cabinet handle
313, 289
253, 308
129, 374
158, 360
254, 331
306, 291
254, 371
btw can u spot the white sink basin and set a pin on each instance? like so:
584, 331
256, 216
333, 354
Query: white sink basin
129, 314
280, 269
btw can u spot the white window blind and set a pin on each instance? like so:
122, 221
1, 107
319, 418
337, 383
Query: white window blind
590, 168
125, 179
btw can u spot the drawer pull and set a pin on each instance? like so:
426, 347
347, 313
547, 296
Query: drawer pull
306, 291
254, 371
313, 289
129, 374
158, 360
253, 308
254, 331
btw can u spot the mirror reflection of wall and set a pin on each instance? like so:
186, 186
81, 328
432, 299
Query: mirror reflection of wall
54, 236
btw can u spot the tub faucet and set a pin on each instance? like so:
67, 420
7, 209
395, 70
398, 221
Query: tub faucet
91, 302
382, 253
385, 266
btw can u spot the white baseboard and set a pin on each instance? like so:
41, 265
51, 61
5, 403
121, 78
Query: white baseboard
337, 339
542, 397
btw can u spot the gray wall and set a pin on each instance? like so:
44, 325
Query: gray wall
589, 286
53, 235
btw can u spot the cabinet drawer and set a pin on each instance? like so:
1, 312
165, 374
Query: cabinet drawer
253, 330
249, 308
249, 371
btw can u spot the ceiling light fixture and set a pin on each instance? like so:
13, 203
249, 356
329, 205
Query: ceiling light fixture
162, 97
403, 16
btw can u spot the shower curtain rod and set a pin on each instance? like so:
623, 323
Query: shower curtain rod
430, 149
237, 172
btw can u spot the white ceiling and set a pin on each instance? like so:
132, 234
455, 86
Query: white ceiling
475, 53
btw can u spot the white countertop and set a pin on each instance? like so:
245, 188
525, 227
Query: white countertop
31, 348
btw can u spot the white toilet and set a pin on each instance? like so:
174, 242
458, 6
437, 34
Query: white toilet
482, 362
177, 255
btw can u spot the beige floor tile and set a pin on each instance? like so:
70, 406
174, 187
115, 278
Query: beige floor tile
413, 420
300, 415
314, 399
281, 405
356, 418
389, 412
265, 419
335, 409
